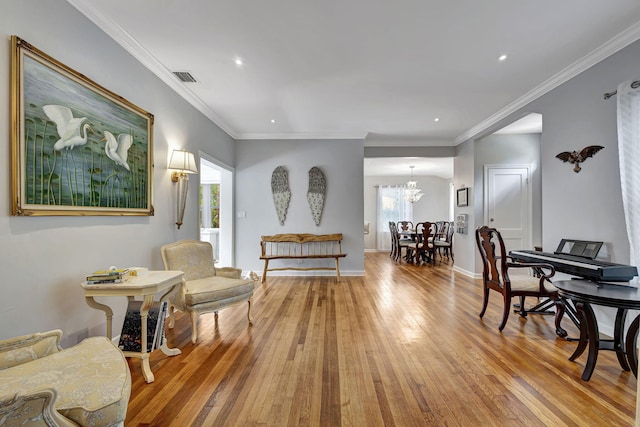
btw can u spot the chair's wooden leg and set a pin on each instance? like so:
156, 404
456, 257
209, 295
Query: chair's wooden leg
522, 312
505, 314
194, 327
264, 272
249, 311
485, 301
337, 269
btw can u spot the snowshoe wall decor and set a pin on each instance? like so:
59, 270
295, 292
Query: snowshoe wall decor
281, 192
316, 193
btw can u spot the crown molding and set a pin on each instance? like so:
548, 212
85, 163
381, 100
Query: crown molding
130, 44
617, 43
124, 39
305, 135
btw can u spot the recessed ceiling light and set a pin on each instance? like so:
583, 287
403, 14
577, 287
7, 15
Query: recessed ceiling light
436, 119
502, 57
273, 120
238, 62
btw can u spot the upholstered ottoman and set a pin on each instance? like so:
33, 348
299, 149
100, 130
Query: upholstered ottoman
91, 380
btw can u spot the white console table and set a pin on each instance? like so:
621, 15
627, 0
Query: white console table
146, 286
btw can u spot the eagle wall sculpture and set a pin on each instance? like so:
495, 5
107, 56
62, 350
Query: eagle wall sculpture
576, 158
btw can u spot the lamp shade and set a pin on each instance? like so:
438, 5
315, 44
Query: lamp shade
184, 161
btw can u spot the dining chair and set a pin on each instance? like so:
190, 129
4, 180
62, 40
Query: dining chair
495, 276
444, 241
396, 243
423, 248
405, 226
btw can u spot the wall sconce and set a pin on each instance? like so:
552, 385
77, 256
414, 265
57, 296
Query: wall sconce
184, 163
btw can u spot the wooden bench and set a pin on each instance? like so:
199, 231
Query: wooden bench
301, 246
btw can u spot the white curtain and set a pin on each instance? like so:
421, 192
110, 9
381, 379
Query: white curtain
629, 156
391, 206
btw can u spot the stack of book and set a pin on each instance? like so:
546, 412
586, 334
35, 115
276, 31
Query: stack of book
108, 276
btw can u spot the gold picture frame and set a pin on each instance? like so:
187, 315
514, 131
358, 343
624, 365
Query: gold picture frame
76, 147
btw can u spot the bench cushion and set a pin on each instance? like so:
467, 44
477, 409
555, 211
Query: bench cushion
92, 380
216, 288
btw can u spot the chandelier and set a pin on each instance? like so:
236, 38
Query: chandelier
412, 193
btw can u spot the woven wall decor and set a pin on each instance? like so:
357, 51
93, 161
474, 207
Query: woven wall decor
316, 193
281, 192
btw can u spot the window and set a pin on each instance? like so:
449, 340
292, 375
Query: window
210, 206
392, 206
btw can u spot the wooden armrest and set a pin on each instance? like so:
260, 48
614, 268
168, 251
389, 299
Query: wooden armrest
551, 268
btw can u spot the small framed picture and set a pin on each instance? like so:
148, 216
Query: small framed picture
462, 198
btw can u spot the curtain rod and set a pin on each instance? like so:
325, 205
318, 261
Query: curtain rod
634, 85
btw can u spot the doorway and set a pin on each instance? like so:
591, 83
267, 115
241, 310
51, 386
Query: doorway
508, 203
216, 208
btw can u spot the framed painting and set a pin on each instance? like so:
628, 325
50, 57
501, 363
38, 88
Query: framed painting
77, 148
462, 198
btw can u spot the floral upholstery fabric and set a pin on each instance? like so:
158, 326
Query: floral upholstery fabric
32, 410
91, 379
25, 348
216, 288
194, 258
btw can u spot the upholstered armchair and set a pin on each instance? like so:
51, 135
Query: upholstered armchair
88, 384
205, 288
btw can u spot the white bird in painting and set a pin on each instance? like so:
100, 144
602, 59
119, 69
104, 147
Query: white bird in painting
117, 150
72, 130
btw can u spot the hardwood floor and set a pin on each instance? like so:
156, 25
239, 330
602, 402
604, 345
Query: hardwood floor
402, 346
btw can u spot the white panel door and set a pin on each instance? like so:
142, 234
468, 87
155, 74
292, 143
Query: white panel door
508, 204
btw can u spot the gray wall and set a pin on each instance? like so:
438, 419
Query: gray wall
432, 206
519, 149
44, 259
341, 162
463, 177
585, 205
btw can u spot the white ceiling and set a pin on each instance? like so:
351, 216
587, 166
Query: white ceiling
384, 70
401, 166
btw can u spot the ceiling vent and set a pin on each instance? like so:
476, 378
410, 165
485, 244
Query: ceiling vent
185, 77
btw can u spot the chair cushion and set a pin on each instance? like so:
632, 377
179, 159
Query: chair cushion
92, 380
529, 283
215, 288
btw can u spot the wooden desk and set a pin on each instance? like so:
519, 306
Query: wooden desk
583, 293
145, 286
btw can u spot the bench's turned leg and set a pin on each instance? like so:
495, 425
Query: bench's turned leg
264, 272
337, 269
